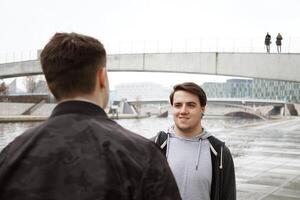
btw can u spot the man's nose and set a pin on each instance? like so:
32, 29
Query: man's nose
183, 109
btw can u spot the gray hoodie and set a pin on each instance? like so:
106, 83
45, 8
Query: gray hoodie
190, 162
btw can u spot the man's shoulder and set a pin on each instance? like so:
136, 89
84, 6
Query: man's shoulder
83, 140
219, 144
160, 137
21, 139
127, 137
79, 131
122, 139
215, 142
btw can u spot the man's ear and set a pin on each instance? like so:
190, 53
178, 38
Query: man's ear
203, 109
102, 76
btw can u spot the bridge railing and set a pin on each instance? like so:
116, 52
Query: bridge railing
233, 45
18, 56
254, 45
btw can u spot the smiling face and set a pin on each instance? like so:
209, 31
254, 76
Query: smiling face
187, 113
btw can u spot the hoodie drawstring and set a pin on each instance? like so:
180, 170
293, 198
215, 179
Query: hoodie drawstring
198, 154
216, 154
221, 158
168, 146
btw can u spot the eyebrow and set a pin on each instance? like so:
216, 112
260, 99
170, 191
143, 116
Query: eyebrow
189, 102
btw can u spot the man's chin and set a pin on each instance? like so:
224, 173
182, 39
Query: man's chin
184, 128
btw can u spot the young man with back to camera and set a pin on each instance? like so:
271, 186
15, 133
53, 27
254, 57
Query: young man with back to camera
79, 153
202, 165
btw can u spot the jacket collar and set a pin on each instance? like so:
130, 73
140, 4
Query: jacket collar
78, 107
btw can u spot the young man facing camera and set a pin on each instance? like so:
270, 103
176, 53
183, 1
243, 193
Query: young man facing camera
202, 164
79, 153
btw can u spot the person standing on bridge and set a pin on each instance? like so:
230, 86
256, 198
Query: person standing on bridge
278, 42
268, 42
202, 164
79, 153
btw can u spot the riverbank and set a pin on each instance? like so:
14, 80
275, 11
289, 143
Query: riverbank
268, 122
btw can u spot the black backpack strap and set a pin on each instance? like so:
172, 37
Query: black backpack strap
161, 140
215, 142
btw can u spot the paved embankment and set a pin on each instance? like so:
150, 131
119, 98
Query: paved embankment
267, 159
11, 112
22, 118
10, 109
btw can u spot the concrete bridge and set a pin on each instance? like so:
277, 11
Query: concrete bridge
247, 108
229, 101
252, 65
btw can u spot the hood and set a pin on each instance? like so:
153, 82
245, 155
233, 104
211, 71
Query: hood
204, 135
199, 138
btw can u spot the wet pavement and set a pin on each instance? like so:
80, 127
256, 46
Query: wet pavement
267, 160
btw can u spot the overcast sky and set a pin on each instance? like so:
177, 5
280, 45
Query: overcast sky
28, 25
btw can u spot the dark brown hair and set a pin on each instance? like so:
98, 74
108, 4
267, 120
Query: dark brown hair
192, 88
70, 62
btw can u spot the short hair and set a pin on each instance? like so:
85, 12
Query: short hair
192, 88
70, 62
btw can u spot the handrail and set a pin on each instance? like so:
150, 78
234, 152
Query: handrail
233, 45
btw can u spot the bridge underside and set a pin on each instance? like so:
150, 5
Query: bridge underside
243, 114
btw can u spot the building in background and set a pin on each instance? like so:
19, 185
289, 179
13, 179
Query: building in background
239, 88
112, 97
148, 91
145, 91
280, 90
12, 87
232, 88
41, 87
254, 89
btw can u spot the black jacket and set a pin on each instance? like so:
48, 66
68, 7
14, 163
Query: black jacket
79, 153
268, 39
223, 185
278, 40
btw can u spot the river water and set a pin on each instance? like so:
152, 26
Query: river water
266, 153
146, 127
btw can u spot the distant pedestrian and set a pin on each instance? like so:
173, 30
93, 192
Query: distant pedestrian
268, 42
278, 42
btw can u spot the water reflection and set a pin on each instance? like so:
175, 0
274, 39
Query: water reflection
8, 131
147, 127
